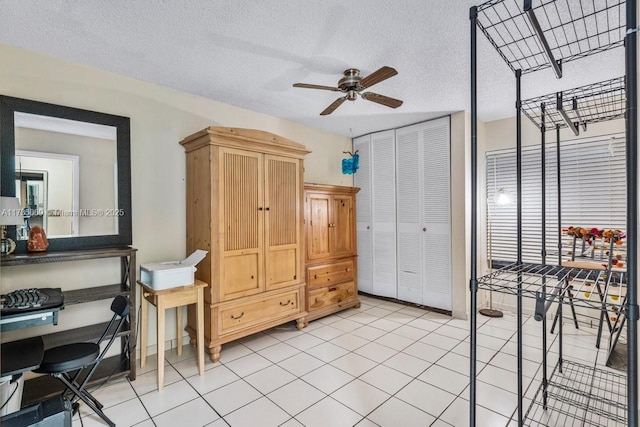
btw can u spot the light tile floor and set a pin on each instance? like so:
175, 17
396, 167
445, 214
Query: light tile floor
383, 364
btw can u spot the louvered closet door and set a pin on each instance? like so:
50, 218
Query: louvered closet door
383, 191
241, 223
362, 179
282, 221
409, 205
435, 155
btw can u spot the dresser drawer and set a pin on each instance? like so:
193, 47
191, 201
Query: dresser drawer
331, 295
329, 274
237, 316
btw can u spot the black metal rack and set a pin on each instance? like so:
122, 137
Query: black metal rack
576, 108
580, 395
530, 38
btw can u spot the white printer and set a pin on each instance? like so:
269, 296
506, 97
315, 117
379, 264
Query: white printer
172, 274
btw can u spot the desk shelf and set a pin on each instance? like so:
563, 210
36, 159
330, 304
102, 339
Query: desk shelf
63, 256
97, 293
44, 386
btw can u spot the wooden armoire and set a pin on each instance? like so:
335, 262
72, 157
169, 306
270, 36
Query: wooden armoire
330, 225
245, 206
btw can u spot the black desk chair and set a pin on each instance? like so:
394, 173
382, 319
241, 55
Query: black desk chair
62, 361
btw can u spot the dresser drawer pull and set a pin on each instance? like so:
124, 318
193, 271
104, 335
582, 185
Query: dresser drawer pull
286, 303
236, 318
333, 289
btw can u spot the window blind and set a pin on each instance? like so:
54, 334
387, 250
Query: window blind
593, 186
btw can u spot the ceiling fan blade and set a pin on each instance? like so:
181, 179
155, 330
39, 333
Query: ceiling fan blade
309, 86
377, 76
335, 104
381, 99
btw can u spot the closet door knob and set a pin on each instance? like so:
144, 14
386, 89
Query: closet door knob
424, 229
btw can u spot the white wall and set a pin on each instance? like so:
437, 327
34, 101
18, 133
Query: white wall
460, 211
160, 117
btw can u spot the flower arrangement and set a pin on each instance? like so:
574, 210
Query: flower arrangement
616, 235
608, 236
588, 234
584, 233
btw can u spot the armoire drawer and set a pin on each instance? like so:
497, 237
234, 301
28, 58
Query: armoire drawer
240, 315
331, 295
329, 274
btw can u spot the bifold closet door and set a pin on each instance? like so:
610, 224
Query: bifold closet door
376, 214
436, 213
409, 205
423, 204
383, 196
362, 179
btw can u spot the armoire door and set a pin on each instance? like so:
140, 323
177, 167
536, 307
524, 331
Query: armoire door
341, 232
282, 200
241, 223
318, 245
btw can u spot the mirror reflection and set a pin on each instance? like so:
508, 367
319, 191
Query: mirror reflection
66, 176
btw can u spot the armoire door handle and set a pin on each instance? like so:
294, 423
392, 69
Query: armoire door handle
260, 209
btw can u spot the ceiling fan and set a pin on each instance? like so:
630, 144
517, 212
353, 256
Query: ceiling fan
352, 84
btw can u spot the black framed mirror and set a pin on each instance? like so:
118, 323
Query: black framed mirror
71, 171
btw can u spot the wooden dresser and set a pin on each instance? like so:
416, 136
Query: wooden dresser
331, 259
244, 206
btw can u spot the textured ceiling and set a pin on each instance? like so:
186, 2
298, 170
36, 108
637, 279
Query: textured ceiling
248, 53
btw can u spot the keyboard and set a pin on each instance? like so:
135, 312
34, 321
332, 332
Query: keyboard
29, 300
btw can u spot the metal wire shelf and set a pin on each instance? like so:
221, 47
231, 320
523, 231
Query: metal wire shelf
590, 288
580, 395
533, 37
593, 103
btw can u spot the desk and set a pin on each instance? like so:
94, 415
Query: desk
170, 298
21, 356
17, 357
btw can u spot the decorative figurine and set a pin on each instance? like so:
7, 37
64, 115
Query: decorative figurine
37, 240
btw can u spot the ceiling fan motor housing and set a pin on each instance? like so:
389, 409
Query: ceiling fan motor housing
350, 81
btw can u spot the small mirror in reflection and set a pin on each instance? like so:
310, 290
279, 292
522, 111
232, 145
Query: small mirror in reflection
66, 176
